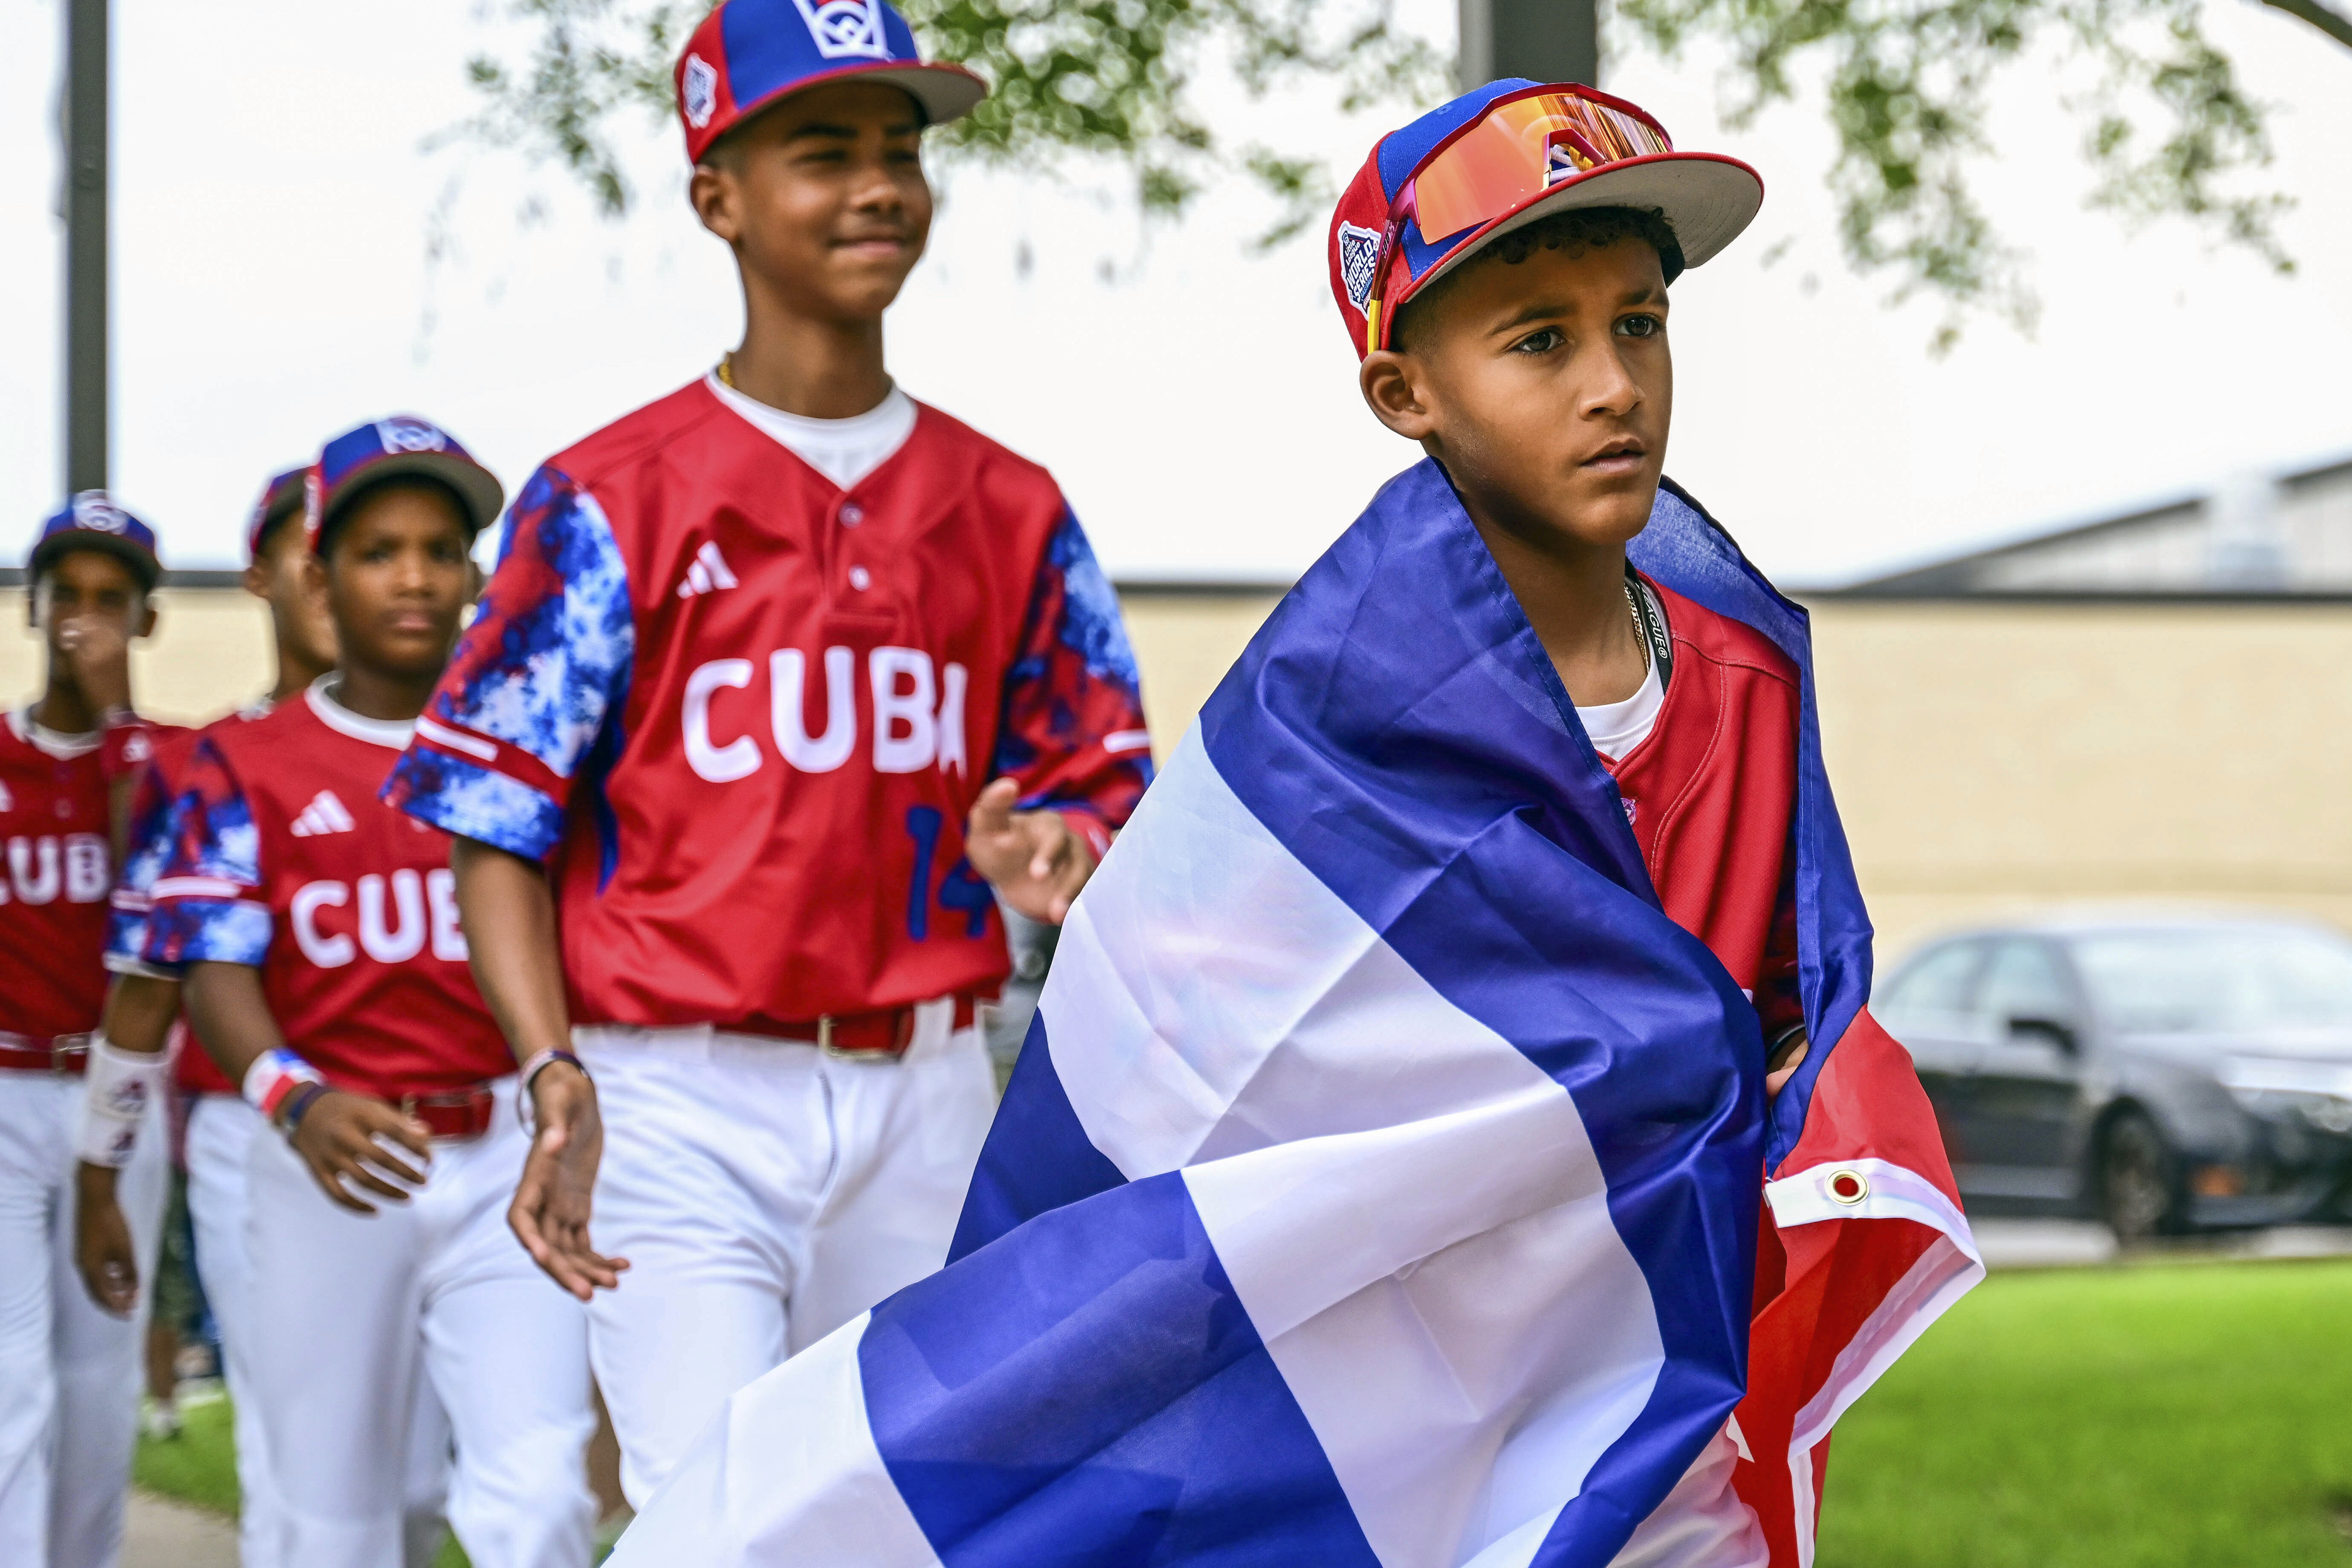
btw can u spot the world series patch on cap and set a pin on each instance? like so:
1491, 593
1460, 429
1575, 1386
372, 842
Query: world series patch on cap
91, 520
388, 448
747, 54
1436, 191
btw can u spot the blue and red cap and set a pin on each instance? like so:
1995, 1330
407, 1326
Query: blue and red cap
91, 520
1439, 190
747, 54
400, 447
281, 497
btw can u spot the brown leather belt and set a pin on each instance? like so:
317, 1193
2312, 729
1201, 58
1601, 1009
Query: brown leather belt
460, 1114
66, 1055
886, 1033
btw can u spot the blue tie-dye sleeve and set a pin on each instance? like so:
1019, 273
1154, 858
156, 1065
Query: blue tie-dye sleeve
538, 686
150, 850
207, 905
1073, 731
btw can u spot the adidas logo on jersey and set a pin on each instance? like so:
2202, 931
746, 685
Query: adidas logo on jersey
707, 575
325, 813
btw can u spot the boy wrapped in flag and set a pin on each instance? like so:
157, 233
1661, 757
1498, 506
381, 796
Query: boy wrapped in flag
1452, 1133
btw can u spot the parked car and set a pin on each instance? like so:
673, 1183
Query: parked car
2162, 1074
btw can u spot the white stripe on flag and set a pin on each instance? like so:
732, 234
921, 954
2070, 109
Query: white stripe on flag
787, 1475
1410, 1209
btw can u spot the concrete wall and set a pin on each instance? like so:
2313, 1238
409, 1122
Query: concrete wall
1989, 759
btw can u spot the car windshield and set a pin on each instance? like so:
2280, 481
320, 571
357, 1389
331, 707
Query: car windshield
2218, 979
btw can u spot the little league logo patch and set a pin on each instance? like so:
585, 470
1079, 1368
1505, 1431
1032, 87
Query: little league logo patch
1359, 252
93, 511
846, 29
409, 436
699, 93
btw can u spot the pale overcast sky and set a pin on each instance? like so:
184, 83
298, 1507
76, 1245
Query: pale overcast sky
273, 203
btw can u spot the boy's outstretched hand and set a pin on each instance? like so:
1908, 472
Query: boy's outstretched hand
1032, 860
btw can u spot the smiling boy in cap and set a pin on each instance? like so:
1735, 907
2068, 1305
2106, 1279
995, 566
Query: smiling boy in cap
780, 683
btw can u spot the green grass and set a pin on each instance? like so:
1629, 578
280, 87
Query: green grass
2190, 1415
2181, 1415
199, 1466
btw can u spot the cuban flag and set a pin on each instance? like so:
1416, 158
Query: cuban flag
1385, 1180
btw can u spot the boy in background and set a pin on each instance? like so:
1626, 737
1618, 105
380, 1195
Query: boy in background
69, 1372
326, 973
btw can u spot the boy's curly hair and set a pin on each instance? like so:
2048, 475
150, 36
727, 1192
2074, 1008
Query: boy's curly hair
1575, 231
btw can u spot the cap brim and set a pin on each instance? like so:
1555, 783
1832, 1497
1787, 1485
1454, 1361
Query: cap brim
128, 552
945, 91
1706, 199
476, 486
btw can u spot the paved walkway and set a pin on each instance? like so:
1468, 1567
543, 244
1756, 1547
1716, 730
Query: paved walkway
2066, 1243
166, 1534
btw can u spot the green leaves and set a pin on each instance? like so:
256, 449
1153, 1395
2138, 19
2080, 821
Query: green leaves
1102, 79
2167, 130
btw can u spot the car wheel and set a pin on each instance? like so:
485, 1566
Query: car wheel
2138, 1192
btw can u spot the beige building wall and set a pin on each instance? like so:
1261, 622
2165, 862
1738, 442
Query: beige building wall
210, 653
1993, 759
1989, 759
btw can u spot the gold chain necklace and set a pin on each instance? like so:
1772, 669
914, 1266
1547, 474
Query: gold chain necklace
1640, 624
726, 368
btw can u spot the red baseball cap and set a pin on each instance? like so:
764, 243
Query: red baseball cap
747, 54
1436, 191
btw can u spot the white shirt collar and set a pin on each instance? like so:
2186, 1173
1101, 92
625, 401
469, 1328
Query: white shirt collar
51, 742
843, 450
392, 732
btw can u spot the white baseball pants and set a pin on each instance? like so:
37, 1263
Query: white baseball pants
70, 1371
350, 1312
764, 1194
221, 1130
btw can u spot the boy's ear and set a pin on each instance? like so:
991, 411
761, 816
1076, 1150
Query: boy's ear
1392, 389
715, 197
146, 616
256, 581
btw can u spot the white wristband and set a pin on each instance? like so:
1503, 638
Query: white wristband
118, 1087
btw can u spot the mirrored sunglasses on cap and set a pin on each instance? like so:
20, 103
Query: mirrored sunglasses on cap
1513, 152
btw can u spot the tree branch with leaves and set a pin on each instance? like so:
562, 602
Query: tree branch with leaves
2165, 128
1105, 80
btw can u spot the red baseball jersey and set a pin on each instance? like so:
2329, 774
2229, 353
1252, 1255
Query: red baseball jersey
53, 887
1711, 793
743, 713
150, 841
284, 858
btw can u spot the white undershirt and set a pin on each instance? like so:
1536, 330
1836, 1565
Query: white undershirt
843, 450
1616, 728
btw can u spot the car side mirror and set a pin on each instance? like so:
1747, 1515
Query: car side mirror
2059, 1035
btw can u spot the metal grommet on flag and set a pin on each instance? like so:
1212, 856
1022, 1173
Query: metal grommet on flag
1848, 1187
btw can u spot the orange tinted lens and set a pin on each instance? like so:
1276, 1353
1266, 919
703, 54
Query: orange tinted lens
1506, 158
